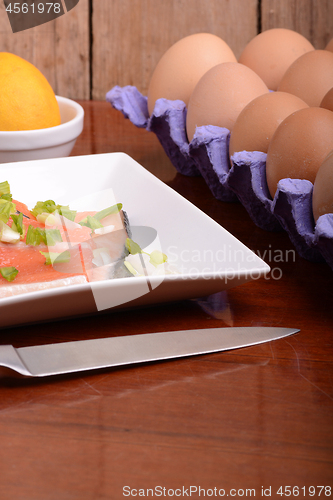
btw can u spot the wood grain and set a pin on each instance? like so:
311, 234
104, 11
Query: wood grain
102, 43
314, 20
59, 49
130, 36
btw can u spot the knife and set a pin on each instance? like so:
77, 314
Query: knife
82, 355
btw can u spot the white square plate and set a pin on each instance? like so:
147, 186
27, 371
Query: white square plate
209, 259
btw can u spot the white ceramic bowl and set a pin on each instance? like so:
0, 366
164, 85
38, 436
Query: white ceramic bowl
53, 142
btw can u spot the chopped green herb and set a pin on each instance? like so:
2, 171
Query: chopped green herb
58, 258
49, 206
132, 247
131, 268
46, 218
91, 222
18, 223
52, 236
36, 236
4, 188
9, 273
115, 209
5, 211
157, 257
7, 197
66, 212
8, 234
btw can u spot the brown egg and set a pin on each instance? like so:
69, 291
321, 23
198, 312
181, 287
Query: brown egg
327, 101
310, 77
322, 197
258, 121
271, 53
221, 94
299, 146
329, 46
183, 64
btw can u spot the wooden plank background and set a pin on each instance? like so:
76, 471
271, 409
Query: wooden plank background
102, 43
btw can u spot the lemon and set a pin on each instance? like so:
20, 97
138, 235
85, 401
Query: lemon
27, 101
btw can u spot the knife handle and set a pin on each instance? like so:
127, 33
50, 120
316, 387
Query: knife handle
10, 359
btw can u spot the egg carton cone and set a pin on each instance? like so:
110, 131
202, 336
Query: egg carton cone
239, 179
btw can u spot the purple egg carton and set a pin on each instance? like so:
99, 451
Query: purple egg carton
241, 180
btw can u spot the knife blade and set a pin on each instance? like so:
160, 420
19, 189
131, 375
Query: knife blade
82, 355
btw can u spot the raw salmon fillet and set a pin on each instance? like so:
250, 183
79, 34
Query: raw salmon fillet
34, 274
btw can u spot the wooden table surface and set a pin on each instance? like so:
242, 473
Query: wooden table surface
251, 422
